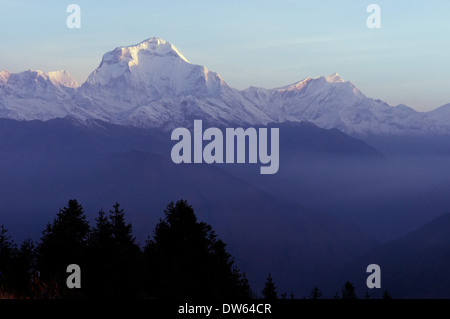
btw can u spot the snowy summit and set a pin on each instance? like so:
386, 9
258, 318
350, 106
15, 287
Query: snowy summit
155, 66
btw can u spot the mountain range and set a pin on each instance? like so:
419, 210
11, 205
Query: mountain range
340, 199
151, 84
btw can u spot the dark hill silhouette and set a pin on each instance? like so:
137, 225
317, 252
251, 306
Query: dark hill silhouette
413, 266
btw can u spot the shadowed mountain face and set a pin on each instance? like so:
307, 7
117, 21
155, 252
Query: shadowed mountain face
413, 266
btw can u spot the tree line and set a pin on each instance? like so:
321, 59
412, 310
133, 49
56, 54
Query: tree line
184, 259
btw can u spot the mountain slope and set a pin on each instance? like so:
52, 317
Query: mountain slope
413, 266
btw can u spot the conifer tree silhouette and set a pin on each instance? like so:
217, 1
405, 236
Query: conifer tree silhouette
270, 291
386, 295
23, 263
315, 293
98, 272
186, 260
63, 242
113, 257
348, 291
126, 255
7, 252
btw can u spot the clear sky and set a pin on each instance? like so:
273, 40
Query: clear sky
249, 42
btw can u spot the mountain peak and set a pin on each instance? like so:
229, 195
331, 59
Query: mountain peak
152, 69
334, 78
62, 78
298, 86
158, 45
57, 78
139, 59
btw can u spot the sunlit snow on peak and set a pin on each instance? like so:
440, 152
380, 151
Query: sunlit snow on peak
334, 78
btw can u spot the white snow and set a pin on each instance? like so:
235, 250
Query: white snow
36, 95
4, 76
62, 78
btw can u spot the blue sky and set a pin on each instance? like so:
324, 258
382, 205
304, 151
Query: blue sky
249, 42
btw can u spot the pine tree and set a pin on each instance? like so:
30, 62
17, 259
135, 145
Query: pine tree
348, 291
63, 242
186, 259
7, 253
101, 235
315, 293
121, 231
113, 257
270, 291
126, 256
23, 263
98, 274
386, 295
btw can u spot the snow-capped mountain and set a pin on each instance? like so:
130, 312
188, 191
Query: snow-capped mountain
151, 84
34, 94
153, 68
331, 102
